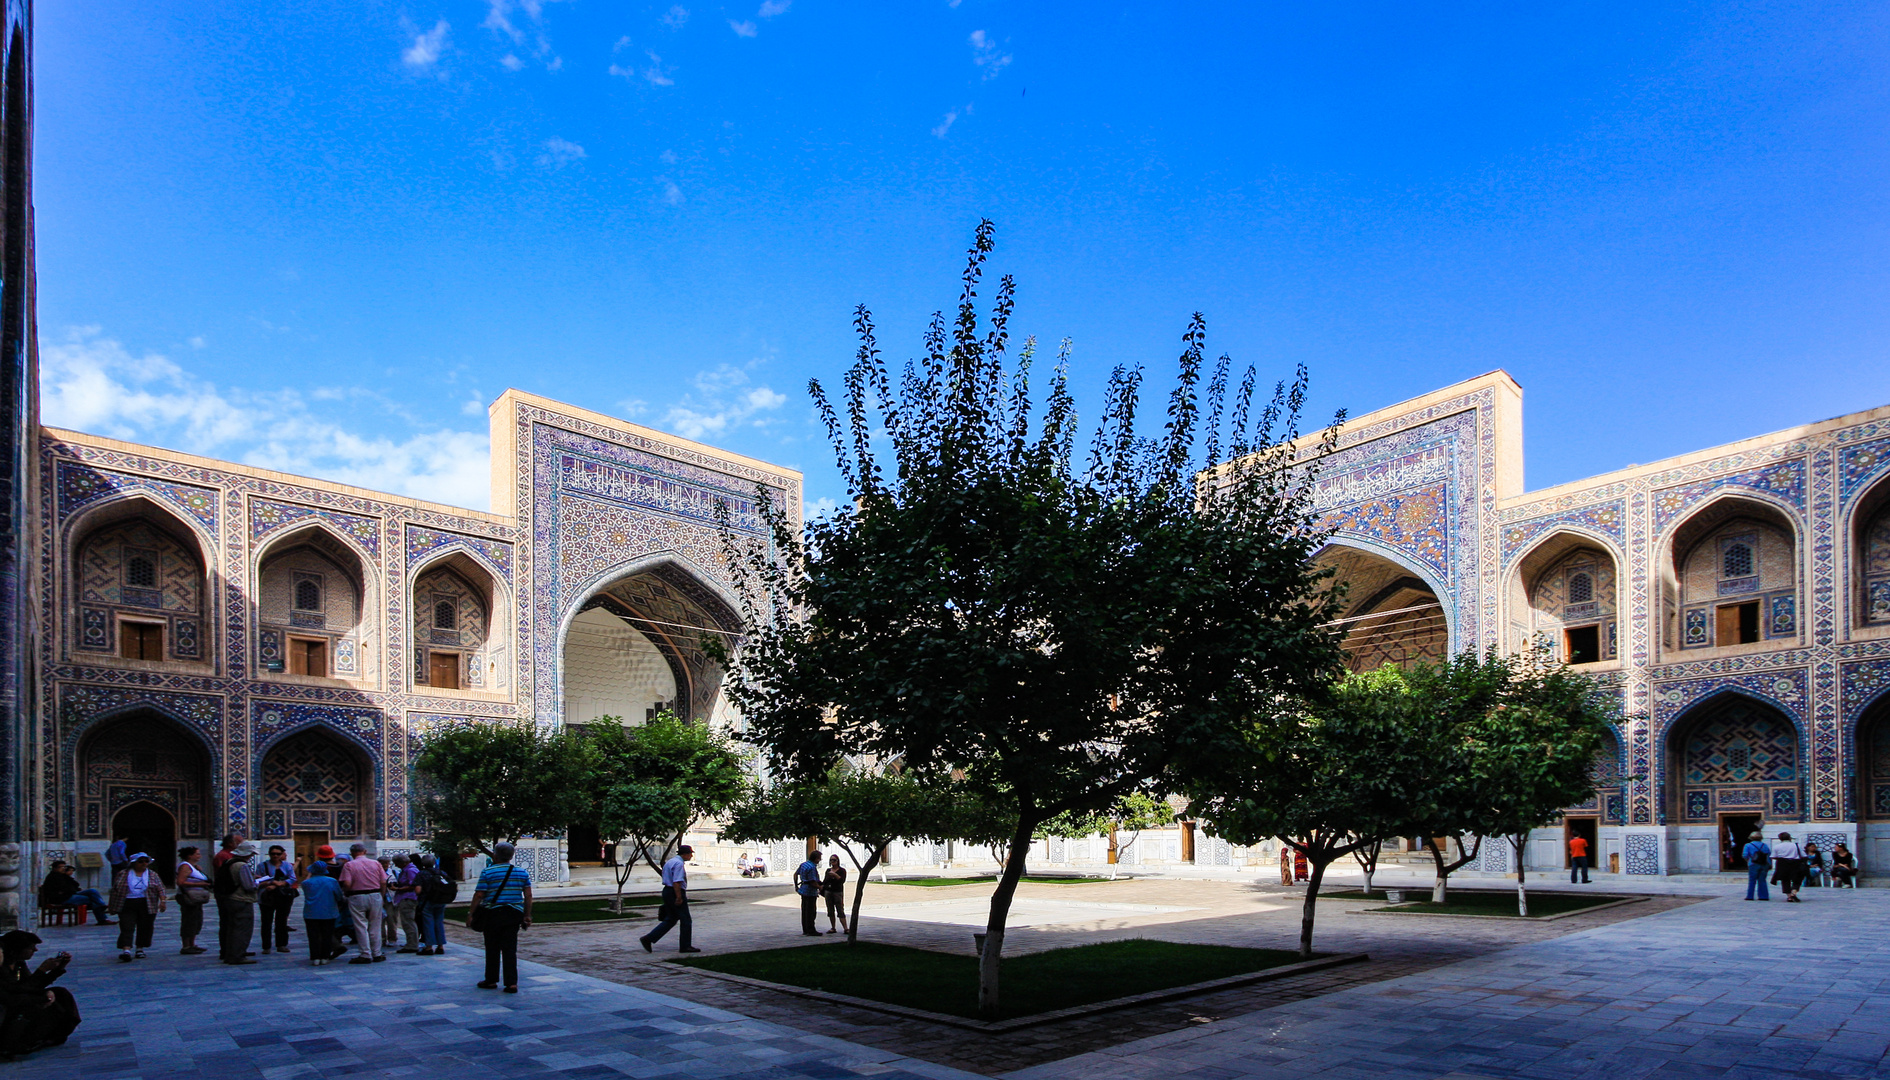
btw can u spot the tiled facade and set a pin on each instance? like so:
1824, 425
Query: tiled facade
1731, 595
305, 637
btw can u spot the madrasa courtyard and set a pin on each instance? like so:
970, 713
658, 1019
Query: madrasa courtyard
195, 646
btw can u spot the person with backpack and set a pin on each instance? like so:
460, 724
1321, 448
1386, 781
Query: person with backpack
437, 889
1758, 860
807, 884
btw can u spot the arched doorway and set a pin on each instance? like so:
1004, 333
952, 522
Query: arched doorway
1391, 615
1733, 763
634, 648
315, 788
149, 828
1563, 594
148, 765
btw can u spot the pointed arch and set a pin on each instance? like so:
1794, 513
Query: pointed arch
1395, 612
337, 639
340, 800
1705, 602
1564, 591
1735, 751
1867, 529
477, 645
143, 752
137, 583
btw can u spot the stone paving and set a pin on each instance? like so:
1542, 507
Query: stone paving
1718, 989
1211, 912
184, 1017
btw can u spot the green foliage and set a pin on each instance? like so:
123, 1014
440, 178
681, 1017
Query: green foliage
992, 614
859, 811
1326, 778
649, 785
488, 782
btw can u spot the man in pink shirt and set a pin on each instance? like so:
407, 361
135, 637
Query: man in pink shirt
363, 881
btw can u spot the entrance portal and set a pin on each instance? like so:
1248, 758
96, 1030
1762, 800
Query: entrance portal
1588, 829
151, 829
1734, 831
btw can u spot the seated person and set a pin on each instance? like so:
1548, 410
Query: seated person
1843, 867
61, 889
741, 865
758, 868
37, 1013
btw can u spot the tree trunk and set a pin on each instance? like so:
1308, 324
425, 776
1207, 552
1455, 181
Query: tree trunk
1368, 861
1312, 900
1522, 890
1441, 890
1016, 857
623, 876
859, 891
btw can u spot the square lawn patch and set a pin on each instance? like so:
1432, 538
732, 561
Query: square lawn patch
1032, 983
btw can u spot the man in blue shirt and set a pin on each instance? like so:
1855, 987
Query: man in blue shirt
1758, 855
807, 883
116, 857
675, 909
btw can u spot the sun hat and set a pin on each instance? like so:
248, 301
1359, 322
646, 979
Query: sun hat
326, 851
139, 855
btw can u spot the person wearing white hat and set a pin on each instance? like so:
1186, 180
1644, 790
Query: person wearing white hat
137, 897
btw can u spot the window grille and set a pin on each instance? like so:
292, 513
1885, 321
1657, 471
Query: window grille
308, 596
444, 615
1581, 589
139, 573
1737, 562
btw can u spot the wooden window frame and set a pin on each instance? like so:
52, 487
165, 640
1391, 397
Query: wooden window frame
1568, 643
143, 625
1729, 620
296, 648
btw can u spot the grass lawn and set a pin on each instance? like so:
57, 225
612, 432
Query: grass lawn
1038, 982
991, 879
586, 909
1484, 901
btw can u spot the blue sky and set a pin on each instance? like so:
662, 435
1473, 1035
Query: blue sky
323, 237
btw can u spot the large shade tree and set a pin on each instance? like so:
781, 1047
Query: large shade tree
1047, 627
486, 782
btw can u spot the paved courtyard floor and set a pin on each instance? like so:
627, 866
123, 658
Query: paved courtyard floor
1671, 987
1720, 989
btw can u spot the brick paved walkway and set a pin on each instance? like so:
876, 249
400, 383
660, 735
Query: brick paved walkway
187, 1018
1718, 989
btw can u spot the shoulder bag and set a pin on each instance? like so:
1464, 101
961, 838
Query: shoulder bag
476, 919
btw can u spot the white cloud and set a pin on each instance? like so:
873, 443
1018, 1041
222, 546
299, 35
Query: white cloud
945, 125
672, 194
986, 55
675, 17
655, 72
561, 152
722, 399
499, 20
745, 28
426, 48
93, 383
771, 8
510, 62
622, 44
813, 508
198, 342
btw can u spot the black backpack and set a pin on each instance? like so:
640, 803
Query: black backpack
436, 887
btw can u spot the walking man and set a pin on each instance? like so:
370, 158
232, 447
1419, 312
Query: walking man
675, 908
1578, 859
807, 883
116, 857
363, 882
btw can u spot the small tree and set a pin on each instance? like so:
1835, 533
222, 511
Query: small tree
491, 781
1534, 749
650, 785
1326, 778
860, 811
1133, 813
1054, 632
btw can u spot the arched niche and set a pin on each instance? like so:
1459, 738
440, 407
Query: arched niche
314, 780
1391, 614
639, 637
314, 604
143, 756
1737, 757
139, 588
1565, 593
1730, 578
1873, 761
1870, 558
459, 620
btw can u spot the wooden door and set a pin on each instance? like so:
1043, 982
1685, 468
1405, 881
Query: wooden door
141, 641
308, 657
306, 844
443, 670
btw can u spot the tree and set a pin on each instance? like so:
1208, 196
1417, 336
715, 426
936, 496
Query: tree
650, 785
1132, 813
1049, 635
1533, 750
1490, 769
1327, 777
490, 781
860, 811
